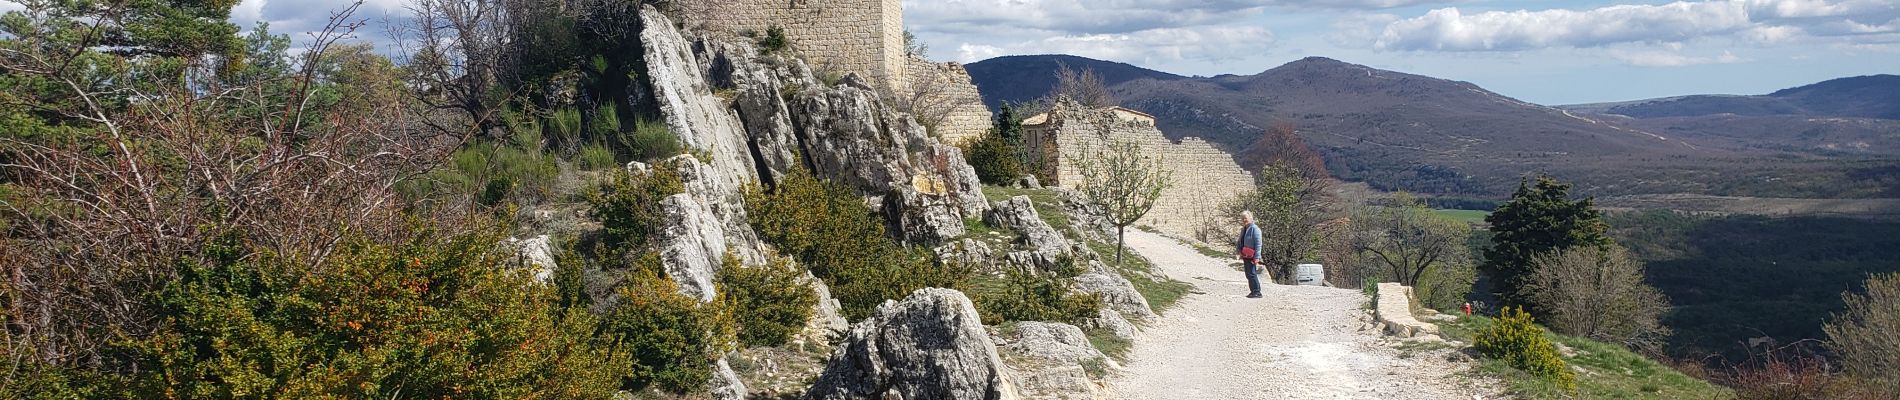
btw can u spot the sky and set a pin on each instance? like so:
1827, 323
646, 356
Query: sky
1542, 51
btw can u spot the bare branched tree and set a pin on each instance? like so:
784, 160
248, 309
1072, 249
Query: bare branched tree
126, 176
456, 54
1598, 292
930, 100
1124, 181
1406, 238
1083, 86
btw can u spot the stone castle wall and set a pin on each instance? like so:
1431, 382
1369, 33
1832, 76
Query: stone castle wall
862, 36
948, 101
1204, 176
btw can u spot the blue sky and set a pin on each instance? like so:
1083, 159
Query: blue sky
1543, 51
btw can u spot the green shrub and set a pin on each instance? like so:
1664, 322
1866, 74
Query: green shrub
628, 205
653, 141
434, 317
995, 159
1516, 339
828, 228
490, 173
774, 40
671, 339
596, 157
1029, 297
771, 302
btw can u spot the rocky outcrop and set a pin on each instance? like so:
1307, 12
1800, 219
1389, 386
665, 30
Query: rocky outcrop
534, 257
701, 120
773, 111
692, 245
1053, 360
1086, 218
932, 345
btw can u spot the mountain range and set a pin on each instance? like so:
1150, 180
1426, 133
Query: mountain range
1399, 131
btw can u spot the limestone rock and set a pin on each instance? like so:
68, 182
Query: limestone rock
1113, 322
535, 256
1047, 249
966, 252
1028, 182
725, 384
692, 245
1087, 218
932, 345
702, 121
1117, 293
1053, 360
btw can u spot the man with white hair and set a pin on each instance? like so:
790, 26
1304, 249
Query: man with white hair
1249, 250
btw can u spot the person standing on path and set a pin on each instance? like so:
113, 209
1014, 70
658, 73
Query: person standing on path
1249, 250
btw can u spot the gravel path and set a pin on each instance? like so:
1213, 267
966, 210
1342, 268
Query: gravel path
1299, 342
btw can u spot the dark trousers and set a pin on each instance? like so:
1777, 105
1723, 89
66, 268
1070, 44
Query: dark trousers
1253, 278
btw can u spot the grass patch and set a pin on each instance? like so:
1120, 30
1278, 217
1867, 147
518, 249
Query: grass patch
1110, 345
1161, 294
1466, 216
1048, 203
1604, 371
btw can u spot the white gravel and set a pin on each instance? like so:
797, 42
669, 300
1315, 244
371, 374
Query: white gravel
1298, 342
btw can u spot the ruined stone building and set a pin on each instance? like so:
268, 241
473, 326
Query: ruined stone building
1204, 176
865, 37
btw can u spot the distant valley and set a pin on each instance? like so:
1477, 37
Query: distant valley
1398, 131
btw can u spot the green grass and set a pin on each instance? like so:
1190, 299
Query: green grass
1048, 204
1607, 371
1465, 216
1110, 345
1161, 294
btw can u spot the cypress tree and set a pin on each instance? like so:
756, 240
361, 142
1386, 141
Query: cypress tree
1539, 219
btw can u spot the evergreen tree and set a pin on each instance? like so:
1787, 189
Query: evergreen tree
1539, 219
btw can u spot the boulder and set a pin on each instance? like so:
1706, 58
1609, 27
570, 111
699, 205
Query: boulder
1117, 292
932, 345
1086, 218
1047, 249
534, 257
725, 384
1028, 182
967, 252
1053, 360
1107, 319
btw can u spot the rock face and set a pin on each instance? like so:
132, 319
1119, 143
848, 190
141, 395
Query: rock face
932, 345
1054, 360
779, 117
692, 245
535, 257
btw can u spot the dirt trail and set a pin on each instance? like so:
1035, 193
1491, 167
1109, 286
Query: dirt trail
1298, 342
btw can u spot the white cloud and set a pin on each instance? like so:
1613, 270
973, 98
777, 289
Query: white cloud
1152, 46
10, 6
1757, 21
1657, 58
1448, 29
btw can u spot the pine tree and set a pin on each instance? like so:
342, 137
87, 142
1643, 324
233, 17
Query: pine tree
1539, 219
